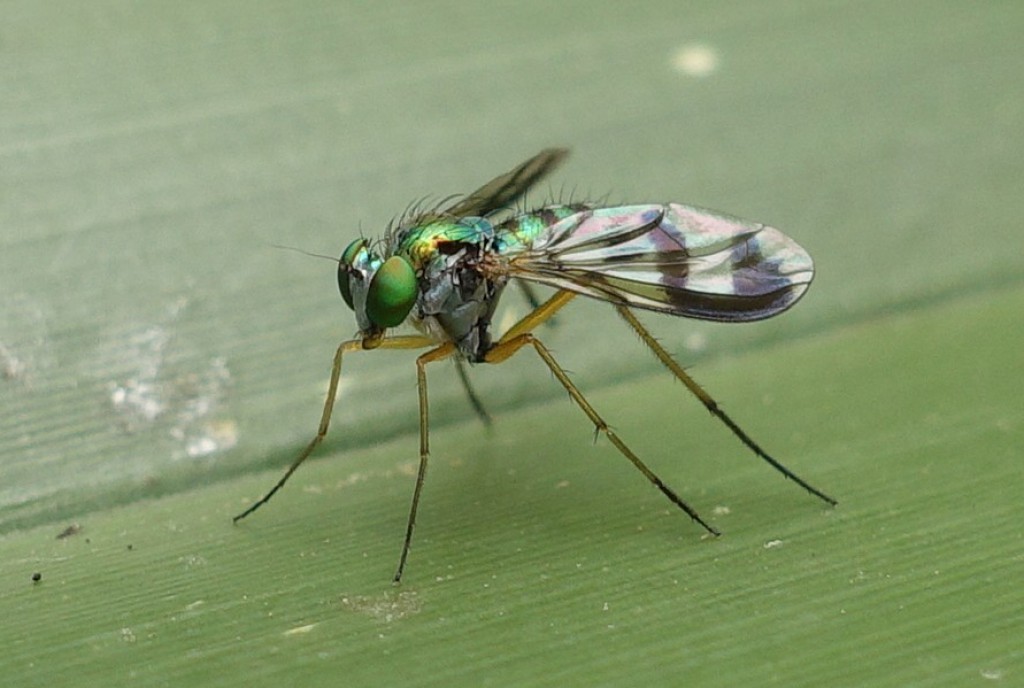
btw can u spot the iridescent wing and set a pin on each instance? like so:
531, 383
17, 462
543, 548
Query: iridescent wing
669, 258
501, 193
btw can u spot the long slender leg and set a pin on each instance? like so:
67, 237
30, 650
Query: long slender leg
411, 342
474, 400
537, 316
507, 347
712, 406
441, 352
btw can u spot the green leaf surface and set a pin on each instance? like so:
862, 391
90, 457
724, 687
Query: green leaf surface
162, 363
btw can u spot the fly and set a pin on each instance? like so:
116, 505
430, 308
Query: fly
443, 271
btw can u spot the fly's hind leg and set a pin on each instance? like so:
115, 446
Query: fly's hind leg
519, 336
711, 405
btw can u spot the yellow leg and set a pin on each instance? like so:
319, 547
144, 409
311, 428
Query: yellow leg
534, 319
510, 345
411, 342
711, 405
441, 352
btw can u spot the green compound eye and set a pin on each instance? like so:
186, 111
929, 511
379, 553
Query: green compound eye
392, 292
348, 256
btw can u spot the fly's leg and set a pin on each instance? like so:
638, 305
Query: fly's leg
516, 339
441, 352
474, 400
712, 406
413, 342
537, 316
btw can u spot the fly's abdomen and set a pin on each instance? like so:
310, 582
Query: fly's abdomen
518, 233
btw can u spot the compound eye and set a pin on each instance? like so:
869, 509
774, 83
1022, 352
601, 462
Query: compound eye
392, 293
348, 258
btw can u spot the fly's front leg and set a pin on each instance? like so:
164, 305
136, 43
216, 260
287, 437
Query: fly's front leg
412, 342
441, 352
509, 346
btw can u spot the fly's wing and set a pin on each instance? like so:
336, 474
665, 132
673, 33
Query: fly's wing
669, 258
502, 192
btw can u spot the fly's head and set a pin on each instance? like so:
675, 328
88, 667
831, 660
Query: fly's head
380, 291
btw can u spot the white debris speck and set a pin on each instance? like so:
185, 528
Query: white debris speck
157, 383
695, 59
214, 437
136, 400
386, 608
13, 367
696, 342
299, 630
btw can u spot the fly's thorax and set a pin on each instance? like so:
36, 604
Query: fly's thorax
457, 305
457, 295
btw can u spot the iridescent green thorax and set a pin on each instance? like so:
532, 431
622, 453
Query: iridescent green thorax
421, 243
457, 294
460, 266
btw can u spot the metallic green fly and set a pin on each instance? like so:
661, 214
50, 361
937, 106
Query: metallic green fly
443, 271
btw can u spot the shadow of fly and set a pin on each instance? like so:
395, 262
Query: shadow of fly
443, 271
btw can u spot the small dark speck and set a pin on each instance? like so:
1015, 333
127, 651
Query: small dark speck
36, 577
73, 529
130, 547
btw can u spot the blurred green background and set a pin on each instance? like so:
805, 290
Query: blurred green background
162, 362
